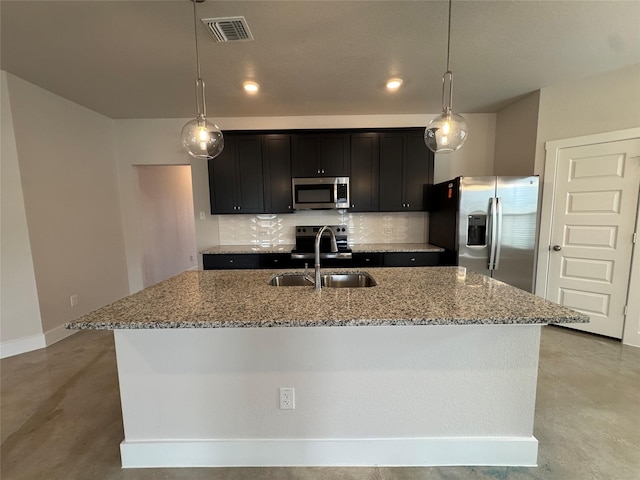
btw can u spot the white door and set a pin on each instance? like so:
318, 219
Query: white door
594, 212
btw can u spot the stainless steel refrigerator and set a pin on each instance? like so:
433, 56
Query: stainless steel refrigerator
488, 225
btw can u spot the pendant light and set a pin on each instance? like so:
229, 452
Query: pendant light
201, 138
448, 131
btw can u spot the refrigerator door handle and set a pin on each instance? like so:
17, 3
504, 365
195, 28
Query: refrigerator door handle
492, 232
498, 241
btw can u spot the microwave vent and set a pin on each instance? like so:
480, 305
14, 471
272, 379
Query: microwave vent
229, 29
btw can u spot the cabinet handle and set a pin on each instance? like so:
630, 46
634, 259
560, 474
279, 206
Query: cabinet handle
323, 170
289, 207
404, 205
408, 205
367, 259
413, 259
318, 170
353, 205
230, 261
275, 260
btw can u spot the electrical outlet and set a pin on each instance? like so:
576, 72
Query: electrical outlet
73, 299
203, 216
191, 258
388, 231
287, 398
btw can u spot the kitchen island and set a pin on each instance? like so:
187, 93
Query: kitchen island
432, 366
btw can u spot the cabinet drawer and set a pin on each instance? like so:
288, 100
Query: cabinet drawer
275, 260
231, 261
367, 259
411, 259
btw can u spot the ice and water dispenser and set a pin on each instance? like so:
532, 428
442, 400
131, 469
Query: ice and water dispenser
477, 230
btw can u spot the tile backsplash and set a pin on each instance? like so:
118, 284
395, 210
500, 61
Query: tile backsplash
273, 230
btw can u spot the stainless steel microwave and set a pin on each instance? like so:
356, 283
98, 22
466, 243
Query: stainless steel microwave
320, 193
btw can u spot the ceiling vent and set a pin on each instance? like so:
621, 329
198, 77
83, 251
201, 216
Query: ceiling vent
229, 29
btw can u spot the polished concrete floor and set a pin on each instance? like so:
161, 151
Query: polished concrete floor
61, 418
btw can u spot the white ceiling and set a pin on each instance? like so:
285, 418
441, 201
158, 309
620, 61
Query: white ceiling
136, 59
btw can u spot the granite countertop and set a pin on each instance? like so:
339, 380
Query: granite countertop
357, 248
402, 296
395, 247
231, 249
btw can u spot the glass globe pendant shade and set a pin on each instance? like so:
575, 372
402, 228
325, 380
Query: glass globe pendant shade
202, 139
446, 133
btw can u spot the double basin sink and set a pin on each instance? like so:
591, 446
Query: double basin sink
328, 280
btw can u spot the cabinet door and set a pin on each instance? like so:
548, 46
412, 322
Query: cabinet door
305, 153
276, 151
363, 182
418, 172
334, 155
320, 154
250, 196
222, 179
391, 172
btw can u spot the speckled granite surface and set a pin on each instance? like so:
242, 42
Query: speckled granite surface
403, 296
395, 247
221, 249
359, 248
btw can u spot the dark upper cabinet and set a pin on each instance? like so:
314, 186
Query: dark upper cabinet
406, 171
276, 156
365, 163
320, 154
235, 176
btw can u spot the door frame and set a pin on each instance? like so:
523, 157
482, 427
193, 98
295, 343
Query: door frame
631, 333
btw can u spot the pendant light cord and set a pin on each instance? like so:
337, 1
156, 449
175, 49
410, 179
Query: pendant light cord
448, 38
446, 106
200, 100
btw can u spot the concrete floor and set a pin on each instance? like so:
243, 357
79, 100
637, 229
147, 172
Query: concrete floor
61, 418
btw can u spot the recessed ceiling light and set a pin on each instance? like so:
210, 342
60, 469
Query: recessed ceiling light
394, 83
251, 87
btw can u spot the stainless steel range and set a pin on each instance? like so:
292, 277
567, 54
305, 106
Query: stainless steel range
305, 240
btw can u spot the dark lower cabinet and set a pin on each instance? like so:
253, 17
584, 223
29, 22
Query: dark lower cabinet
235, 261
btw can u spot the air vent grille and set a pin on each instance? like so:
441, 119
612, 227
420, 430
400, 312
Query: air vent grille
229, 29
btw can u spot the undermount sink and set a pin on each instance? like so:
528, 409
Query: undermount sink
328, 280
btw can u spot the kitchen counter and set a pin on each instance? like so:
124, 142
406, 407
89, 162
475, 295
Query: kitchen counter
395, 247
357, 248
236, 249
432, 366
402, 296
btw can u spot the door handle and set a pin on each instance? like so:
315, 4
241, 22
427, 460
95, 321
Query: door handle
557, 248
492, 232
499, 231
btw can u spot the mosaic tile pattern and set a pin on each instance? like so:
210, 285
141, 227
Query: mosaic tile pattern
272, 230
402, 296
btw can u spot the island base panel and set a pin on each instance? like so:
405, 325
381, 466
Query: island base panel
407, 395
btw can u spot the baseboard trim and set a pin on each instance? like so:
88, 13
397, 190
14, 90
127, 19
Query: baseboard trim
22, 345
56, 334
456, 451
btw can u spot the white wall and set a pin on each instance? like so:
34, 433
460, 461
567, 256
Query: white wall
69, 184
168, 229
516, 132
598, 104
20, 326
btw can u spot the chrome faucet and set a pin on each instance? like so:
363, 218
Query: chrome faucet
334, 249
